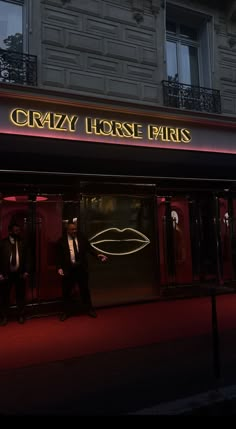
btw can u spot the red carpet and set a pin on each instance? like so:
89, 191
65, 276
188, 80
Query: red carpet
47, 339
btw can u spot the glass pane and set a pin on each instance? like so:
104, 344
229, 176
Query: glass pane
17, 209
11, 26
48, 229
225, 233
174, 241
188, 32
171, 27
172, 65
233, 238
208, 247
189, 65
123, 228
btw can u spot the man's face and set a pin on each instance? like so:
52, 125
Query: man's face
72, 230
15, 232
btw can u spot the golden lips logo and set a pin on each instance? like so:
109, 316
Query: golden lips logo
119, 242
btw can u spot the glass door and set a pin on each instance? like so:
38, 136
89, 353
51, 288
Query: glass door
53, 212
205, 219
48, 230
122, 227
174, 241
41, 219
17, 209
226, 242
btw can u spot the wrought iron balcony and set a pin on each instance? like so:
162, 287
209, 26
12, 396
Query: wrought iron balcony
18, 68
190, 97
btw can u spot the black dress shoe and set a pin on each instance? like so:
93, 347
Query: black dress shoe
3, 321
92, 313
21, 320
63, 317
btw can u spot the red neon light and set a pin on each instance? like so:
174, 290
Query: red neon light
23, 199
152, 145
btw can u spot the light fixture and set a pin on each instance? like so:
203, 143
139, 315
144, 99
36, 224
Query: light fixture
23, 199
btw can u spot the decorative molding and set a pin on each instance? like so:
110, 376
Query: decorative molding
231, 12
30, 17
138, 10
232, 41
156, 5
217, 28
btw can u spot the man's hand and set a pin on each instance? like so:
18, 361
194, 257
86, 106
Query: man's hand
60, 272
102, 258
1, 278
25, 276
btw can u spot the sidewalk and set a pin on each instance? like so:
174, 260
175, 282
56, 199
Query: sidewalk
121, 382
171, 376
218, 402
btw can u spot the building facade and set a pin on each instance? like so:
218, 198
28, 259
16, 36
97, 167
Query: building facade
122, 113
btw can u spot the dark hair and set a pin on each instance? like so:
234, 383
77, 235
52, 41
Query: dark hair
13, 225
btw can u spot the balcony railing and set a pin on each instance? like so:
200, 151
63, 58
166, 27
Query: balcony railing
190, 97
18, 68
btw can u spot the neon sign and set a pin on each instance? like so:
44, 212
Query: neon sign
122, 238
168, 134
72, 121
35, 119
106, 127
55, 121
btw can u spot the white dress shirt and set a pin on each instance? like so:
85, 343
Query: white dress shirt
16, 267
71, 247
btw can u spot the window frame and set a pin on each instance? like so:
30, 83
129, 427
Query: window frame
200, 22
181, 41
21, 3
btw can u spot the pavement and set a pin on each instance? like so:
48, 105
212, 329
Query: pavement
217, 402
175, 377
162, 379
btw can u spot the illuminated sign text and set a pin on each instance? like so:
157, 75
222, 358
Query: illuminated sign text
168, 134
98, 127
105, 127
50, 120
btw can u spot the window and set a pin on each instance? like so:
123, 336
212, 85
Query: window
17, 66
182, 53
188, 56
11, 25
189, 59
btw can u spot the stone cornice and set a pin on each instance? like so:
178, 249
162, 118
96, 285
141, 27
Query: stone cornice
231, 12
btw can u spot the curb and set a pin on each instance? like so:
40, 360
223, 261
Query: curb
204, 401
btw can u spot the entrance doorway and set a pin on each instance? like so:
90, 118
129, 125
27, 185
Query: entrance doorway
121, 226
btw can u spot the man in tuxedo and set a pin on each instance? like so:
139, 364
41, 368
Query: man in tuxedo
72, 266
14, 269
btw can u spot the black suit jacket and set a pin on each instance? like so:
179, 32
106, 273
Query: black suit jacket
5, 255
63, 253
